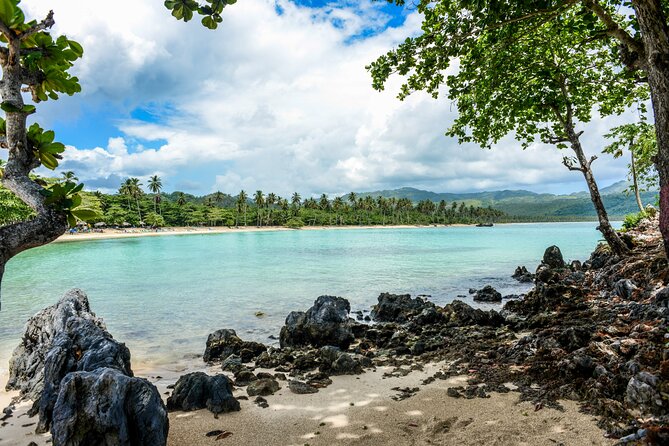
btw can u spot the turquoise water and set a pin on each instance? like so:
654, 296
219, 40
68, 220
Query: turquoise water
163, 295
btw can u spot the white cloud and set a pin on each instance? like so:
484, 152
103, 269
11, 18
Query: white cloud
277, 102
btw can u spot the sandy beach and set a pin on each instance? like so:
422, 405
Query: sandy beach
130, 233
359, 410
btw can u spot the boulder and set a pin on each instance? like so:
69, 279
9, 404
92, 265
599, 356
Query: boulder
106, 407
661, 298
487, 294
325, 323
232, 363
460, 314
301, 388
198, 390
523, 275
262, 387
553, 257
225, 342
336, 362
624, 288
398, 307
642, 393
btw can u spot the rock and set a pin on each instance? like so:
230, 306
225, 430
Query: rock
223, 343
553, 257
336, 362
198, 390
325, 323
487, 294
642, 392
523, 275
244, 378
301, 388
261, 402
262, 387
398, 308
573, 338
66, 337
106, 407
460, 314
232, 363
26, 367
661, 299
624, 288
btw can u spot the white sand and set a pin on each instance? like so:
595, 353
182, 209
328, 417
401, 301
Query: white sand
373, 418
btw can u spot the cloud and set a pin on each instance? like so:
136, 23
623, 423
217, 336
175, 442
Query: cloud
277, 99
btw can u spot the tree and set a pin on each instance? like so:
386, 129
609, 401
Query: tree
639, 40
69, 176
259, 200
30, 57
639, 138
537, 79
296, 201
136, 192
181, 199
155, 186
242, 204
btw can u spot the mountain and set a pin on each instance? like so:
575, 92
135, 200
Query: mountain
528, 204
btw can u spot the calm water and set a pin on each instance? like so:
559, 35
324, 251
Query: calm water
163, 295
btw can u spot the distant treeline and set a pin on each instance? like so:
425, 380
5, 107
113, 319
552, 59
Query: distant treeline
133, 206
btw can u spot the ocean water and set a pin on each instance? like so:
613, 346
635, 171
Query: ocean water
163, 295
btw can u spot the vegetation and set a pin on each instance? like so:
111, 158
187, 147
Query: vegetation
528, 60
632, 220
535, 79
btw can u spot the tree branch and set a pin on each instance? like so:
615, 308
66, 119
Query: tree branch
635, 50
569, 164
45, 24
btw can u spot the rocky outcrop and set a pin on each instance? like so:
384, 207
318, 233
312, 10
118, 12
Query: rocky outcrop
106, 407
326, 323
488, 294
336, 362
459, 314
398, 307
68, 363
198, 390
523, 275
223, 343
553, 258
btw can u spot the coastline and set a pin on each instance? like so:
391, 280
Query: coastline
133, 233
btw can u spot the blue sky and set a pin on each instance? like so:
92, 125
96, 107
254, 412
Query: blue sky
276, 99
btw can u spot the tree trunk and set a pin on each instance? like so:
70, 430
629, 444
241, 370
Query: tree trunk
655, 34
636, 184
49, 224
610, 235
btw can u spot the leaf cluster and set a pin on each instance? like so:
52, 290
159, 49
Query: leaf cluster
65, 197
211, 10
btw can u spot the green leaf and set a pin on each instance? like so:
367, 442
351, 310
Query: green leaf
209, 22
29, 109
85, 214
9, 107
48, 160
6, 11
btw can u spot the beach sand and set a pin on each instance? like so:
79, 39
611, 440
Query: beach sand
131, 233
359, 410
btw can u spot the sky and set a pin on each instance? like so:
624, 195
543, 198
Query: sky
276, 99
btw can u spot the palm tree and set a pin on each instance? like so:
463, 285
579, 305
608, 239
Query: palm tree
181, 199
155, 186
259, 200
337, 205
269, 202
353, 199
126, 191
242, 199
296, 202
219, 197
69, 176
136, 192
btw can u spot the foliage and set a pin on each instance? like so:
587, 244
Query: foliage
632, 220
639, 138
65, 197
154, 220
525, 77
294, 223
211, 10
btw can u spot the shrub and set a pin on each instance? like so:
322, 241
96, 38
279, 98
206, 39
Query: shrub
294, 223
632, 220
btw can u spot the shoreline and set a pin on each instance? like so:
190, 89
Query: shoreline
183, 230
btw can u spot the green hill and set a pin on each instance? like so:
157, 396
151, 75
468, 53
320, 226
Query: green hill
528, 204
